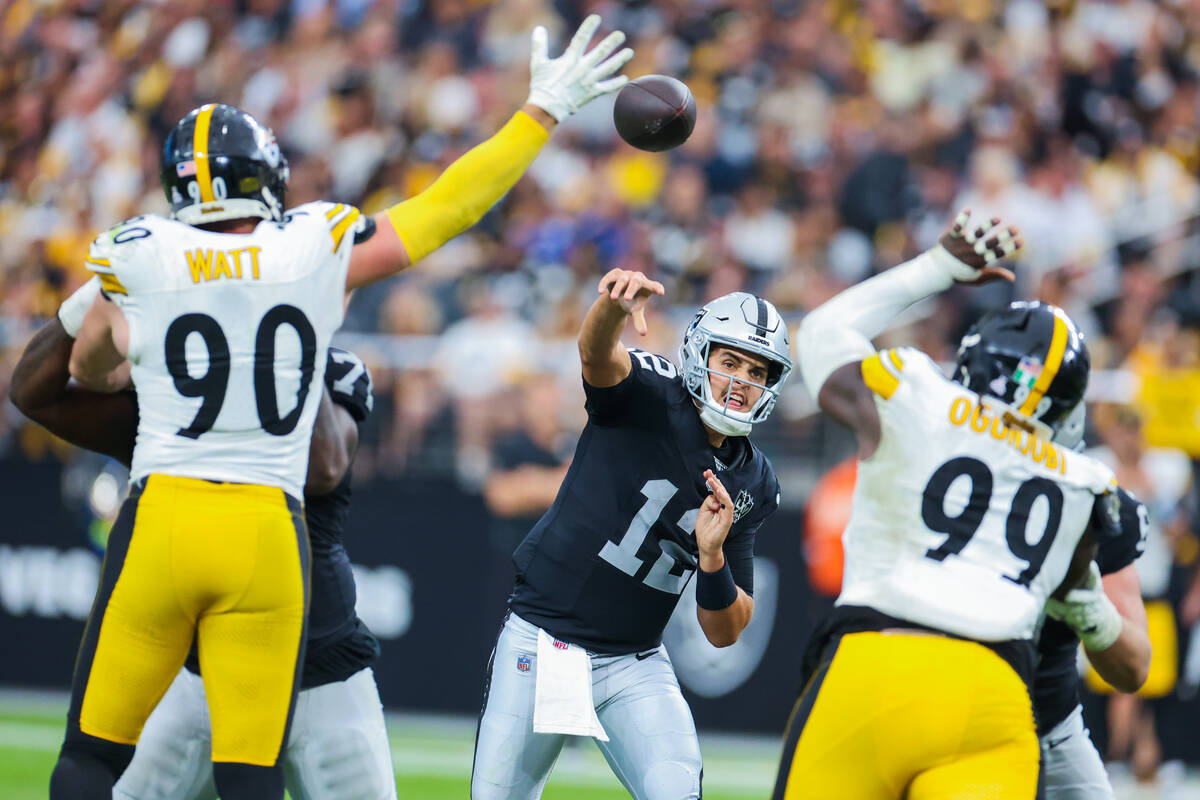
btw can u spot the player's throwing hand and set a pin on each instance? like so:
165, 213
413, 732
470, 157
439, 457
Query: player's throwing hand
561, 86
715, 518
631, 289
978, 246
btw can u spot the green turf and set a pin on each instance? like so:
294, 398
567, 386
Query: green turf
431, 764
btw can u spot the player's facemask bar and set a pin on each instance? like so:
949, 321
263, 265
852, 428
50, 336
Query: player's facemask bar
717, 414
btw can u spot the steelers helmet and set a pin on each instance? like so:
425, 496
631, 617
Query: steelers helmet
1029, 356
743, 322
220, 163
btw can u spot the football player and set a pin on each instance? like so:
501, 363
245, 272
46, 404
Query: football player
664, 485
338, 747
965, 519
1107, 614
221, 314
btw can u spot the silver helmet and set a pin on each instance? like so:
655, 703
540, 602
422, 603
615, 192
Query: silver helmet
747, 323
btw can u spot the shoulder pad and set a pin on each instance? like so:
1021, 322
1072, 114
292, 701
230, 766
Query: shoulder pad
1121, 519
115, 247
349, 383
338, 219
653, 363
884, 371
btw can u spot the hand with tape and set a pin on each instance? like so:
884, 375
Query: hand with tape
1088, 611
970, 249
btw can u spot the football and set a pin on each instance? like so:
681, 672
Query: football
655, 113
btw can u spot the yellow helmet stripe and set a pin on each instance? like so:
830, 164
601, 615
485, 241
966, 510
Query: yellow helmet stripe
200, 152
1058, 346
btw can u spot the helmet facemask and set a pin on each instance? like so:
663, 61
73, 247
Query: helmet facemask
722, 324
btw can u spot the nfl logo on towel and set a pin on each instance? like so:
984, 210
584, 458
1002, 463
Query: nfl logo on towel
523, 663
561, 645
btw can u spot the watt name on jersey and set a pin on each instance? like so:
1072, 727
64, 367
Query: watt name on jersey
227, 336
960, 521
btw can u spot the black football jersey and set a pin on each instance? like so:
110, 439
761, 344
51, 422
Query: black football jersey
605, 566
1056, 682
339, 644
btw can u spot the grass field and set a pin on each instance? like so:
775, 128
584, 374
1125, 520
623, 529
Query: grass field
432, 757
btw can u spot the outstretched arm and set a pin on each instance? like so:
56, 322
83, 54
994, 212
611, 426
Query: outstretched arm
835, 338
623, 293
413, 229
42, 390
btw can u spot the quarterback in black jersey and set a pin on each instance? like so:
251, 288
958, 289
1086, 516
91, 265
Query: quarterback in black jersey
338, 746
664, 484
1109, 617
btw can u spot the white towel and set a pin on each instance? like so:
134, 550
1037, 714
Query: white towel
562, 700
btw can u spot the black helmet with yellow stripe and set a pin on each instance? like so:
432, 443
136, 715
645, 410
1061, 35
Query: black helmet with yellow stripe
220, 163
1031, 357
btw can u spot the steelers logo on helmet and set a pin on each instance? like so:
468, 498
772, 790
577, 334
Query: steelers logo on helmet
1030, 357
746, 323
220, 163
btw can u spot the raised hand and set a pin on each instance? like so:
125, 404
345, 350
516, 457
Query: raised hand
631, 289
715, 518
977, 246
563, 85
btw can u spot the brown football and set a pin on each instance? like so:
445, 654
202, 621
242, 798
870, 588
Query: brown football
655, 113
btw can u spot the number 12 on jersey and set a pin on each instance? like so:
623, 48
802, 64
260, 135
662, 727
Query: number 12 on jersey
624, 555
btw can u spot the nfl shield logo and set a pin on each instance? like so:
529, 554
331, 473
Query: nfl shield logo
523, 663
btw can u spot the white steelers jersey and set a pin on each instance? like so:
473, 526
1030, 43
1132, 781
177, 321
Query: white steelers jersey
227, 338
960, 522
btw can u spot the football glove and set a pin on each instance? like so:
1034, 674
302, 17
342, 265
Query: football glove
1089, 613
75, 308
563, 85
973, 246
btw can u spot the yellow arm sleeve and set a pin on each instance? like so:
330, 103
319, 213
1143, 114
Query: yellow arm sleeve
468, 188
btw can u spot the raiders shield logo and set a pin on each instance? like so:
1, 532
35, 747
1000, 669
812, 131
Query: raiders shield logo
742, 505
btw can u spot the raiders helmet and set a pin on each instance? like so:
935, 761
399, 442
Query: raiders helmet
743, 322
220, 163
1029, 356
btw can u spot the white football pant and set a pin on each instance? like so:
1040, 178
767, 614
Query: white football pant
1072, 766
652, 745
337, 749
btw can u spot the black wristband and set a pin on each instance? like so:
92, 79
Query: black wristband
715, 590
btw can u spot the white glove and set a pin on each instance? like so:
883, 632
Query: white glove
75, 307
971, 246
563, 85
1089, 613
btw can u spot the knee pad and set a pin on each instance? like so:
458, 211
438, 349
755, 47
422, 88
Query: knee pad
671, 780
339, 765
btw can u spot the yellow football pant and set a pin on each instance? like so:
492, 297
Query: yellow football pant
910, 716
226, 563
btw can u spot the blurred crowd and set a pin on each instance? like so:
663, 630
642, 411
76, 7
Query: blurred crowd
834, 139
